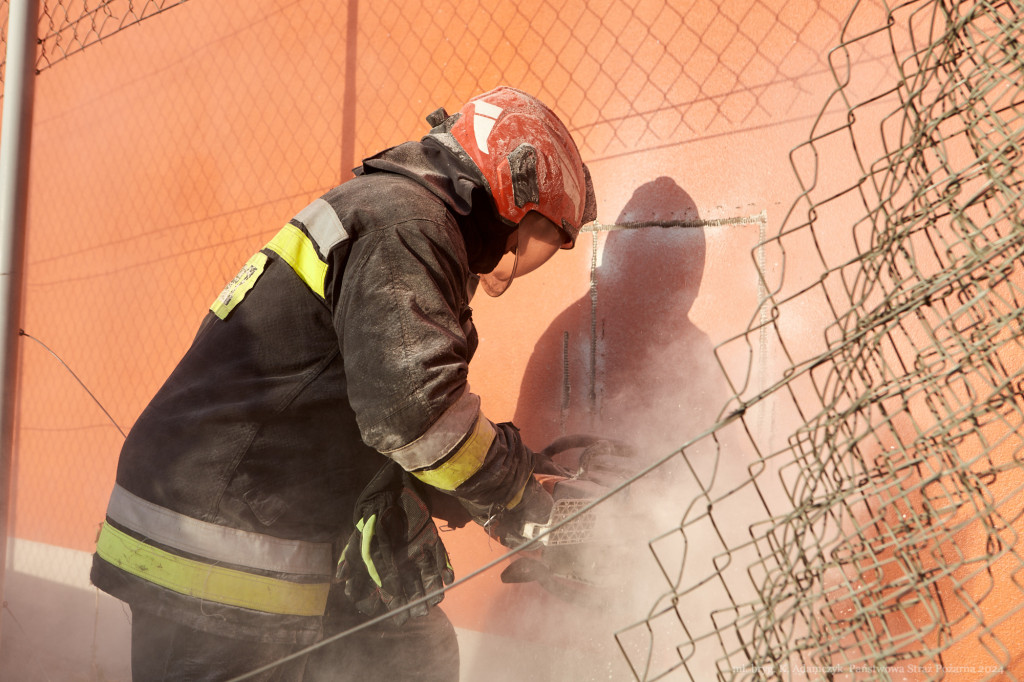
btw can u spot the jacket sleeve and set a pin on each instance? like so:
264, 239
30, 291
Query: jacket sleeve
402, 318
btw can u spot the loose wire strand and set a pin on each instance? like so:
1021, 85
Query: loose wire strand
22, 332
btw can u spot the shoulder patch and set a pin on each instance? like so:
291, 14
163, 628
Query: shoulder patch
238, 287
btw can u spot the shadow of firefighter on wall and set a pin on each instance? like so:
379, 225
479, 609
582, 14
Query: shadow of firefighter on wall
623, 362
626, 361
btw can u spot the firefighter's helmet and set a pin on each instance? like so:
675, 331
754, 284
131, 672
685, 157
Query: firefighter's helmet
528, 158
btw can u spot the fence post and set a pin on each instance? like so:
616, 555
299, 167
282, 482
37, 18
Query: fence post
348, 103
15, 141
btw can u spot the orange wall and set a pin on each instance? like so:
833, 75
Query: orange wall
165, 155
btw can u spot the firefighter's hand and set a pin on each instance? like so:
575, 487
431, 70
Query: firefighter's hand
395, 556
507, 524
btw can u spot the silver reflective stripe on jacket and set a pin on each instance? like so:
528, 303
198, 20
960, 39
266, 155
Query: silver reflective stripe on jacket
306, 248
215, 542
442, 437
453, 449
323, 225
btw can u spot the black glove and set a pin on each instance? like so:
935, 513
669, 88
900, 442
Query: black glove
505, 522
507, 525
587, 458
395, 555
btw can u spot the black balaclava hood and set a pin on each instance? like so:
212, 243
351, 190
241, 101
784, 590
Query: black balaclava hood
456, 180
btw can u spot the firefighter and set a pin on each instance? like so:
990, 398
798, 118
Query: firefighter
276, 490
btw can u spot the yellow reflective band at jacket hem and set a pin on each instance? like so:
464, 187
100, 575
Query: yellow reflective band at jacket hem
217, 544
301, 254
208, 582
465, 462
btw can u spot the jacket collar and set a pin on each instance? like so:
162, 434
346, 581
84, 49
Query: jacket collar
459, 184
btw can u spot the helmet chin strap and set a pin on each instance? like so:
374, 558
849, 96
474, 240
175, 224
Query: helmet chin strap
534, 242
515, 268
493, 286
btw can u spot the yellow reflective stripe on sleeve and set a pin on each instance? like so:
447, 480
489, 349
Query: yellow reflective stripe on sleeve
299, 251
465, 462
443, 437
212, 583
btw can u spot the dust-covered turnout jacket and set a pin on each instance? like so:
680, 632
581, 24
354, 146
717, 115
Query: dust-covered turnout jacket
347, 336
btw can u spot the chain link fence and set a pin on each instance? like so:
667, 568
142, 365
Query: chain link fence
879, 540
883, 537
629, 76
70, 26
67, 27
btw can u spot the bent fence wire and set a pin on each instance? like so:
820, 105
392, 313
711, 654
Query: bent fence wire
881, 539
69, 26
885, 543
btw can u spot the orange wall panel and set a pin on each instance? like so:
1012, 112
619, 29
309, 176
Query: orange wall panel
165, 155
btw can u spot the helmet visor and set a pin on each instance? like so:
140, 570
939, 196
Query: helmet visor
534, 242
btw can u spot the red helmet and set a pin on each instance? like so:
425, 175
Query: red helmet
528, 159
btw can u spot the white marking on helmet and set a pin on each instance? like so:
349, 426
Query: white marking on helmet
485, 115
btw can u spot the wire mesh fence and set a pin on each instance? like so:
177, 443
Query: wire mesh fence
885, 543
186, 139
880, 539
630, 76
69, 26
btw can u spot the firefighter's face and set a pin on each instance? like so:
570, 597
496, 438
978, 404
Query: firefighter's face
530, 245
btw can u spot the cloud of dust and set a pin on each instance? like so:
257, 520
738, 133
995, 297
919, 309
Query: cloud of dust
642, 372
